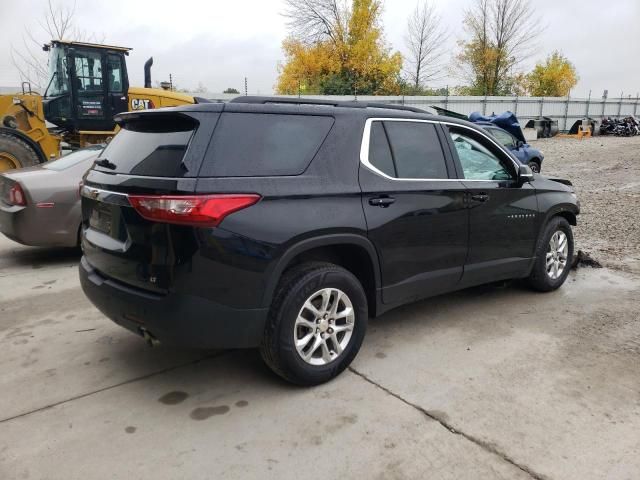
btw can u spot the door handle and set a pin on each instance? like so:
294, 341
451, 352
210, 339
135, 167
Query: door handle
383, 202
480, 197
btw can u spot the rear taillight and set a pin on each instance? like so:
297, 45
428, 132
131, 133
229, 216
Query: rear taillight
196, 210
17, 196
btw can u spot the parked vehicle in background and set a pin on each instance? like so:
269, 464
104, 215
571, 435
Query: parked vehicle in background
525, 153
625, 127
40, 206
286, 223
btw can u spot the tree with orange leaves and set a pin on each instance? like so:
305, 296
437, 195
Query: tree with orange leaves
336, 48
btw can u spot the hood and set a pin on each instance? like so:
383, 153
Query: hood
507, 121
554, 183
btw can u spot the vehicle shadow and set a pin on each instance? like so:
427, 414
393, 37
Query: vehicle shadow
223, 371
38, 257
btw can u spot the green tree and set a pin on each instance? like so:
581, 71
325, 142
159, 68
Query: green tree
553, 78
231, 90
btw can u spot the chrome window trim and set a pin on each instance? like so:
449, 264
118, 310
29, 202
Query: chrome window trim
366, 137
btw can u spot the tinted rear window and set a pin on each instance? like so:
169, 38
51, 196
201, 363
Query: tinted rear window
253, 144
152, 147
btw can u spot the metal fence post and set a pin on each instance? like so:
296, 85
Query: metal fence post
484, 104
515, 106
541, 107
446, 98
566, 110
586, 113
620, 104
635, 108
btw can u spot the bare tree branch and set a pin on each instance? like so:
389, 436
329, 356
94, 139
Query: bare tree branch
314, 20
57, 23
502, 35
425, 38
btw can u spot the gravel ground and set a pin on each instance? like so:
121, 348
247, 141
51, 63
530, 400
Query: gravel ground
606, 174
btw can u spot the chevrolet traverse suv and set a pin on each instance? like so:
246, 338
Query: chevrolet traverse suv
285, 224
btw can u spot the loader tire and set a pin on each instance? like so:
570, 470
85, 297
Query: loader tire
16, 153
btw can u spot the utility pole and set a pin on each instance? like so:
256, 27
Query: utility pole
246, 90
171, 82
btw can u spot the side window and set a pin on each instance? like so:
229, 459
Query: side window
114, 73
503, 137
264, 144
379, 151
478, 162
414, 149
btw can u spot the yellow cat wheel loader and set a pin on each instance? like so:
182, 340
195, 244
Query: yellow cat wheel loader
88, 85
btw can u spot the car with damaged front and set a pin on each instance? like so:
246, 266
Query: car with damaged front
285, 224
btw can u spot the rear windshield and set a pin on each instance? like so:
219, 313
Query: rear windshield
152, 147
262, 144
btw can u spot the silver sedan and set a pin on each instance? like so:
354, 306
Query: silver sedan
40, 206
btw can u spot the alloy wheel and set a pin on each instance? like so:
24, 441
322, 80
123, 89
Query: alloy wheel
557, 253
324, 326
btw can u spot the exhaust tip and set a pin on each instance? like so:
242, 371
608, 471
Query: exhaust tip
149, 338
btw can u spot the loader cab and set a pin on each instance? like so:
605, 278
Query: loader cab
88, 85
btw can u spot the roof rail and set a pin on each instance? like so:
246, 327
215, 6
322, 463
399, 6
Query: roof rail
327, 102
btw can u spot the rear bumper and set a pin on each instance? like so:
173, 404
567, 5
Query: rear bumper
174, 319
11, 224
36, 227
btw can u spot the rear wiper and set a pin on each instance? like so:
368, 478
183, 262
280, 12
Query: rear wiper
105, 163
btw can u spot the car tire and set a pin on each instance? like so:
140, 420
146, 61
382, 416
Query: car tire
552, 264
290, 322
534, 165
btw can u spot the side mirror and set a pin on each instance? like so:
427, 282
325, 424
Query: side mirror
524, 174
519, 144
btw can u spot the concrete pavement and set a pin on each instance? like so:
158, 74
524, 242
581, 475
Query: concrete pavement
493, 382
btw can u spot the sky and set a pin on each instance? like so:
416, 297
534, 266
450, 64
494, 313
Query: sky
217, 43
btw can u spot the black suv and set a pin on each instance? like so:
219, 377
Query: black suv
286, 224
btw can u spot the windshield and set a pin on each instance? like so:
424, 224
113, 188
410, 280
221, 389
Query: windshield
74, 158
58, 83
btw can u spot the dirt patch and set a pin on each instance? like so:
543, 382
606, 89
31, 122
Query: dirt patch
584, 259
605, 172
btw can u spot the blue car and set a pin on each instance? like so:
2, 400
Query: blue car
506, 129
524, 152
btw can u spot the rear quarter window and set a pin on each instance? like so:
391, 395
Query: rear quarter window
264, 144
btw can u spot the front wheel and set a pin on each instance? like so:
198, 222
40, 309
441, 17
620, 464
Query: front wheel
316, 324
554, 253
534, 165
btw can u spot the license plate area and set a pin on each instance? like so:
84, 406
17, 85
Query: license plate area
101, 219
